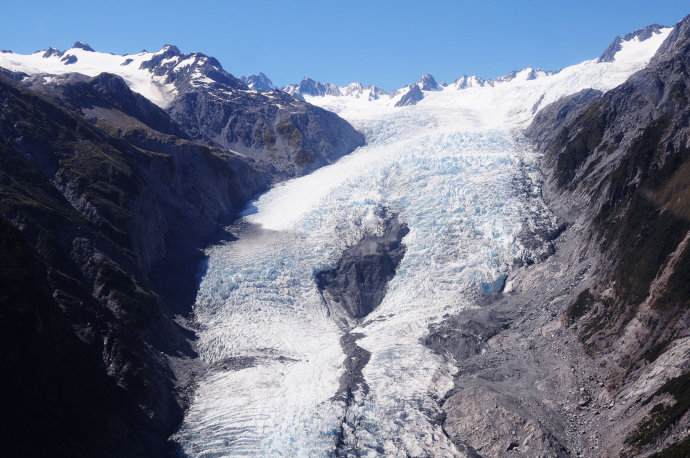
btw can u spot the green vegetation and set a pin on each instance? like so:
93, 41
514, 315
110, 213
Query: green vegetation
680, 449
662, 415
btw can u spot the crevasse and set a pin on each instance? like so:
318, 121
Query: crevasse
456, 170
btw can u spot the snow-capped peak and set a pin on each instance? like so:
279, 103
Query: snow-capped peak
159, 76
428, 83
258, 82
466, 81
309, 87
644, 34
512, 99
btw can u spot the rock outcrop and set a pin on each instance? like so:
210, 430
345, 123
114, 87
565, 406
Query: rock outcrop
358, 283
411, 97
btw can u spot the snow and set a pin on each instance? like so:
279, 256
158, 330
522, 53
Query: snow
94, 63
635, 51
185, 63
448, 166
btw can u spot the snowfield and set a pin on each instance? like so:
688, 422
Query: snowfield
456, 169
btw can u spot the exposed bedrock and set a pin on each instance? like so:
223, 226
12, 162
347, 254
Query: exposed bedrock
358, 283
352, 290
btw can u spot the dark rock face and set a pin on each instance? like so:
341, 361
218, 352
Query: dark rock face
412, 96
53, 52
69, 59
642, 34
281, 133
618, 169
113, 198
587, 352
551, 119
467, 334
102, 96
110, 213
357, 284
82, 45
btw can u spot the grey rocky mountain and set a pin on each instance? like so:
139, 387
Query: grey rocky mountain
281, 133
82, 45
308, 86
106, 201
258, 82
108, 214
428, 83
287, 135
550, 121
411, 97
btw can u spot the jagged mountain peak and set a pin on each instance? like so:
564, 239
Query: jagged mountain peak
413, 95
82, 45
526, 74
259, 82
642, 34
427, 83
168, 48
467, 81
356, 89
52, 52
308, 86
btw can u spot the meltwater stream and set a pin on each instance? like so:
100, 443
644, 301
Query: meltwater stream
456, 171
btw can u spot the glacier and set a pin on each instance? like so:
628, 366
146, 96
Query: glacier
456, 169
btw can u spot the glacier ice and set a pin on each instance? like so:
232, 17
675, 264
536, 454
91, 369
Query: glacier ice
458, 172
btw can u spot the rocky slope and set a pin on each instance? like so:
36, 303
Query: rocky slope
106, 201
588, 353
111, 213
283, 134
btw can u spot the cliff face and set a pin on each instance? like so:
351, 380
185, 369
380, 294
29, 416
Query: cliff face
102, 219
288, 136
618, 171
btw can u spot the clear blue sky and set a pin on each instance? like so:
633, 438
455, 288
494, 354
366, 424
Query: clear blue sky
388, 43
